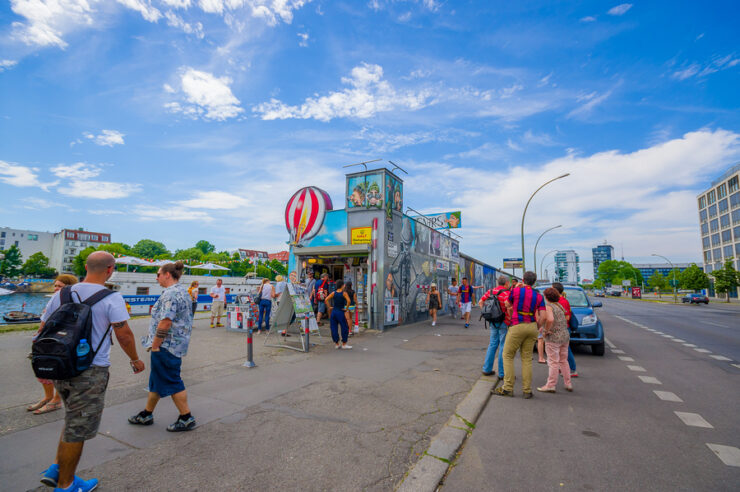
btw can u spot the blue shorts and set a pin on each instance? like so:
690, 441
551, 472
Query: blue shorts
164, 378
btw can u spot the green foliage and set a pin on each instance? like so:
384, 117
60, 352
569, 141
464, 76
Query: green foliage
146, 248
693, 278
188, 254
38, 264
78, 264
726, 279
219, 257
264, 272
657, 281
614, 272
241, 268
10, 265
205, 247
116, 249
279, 268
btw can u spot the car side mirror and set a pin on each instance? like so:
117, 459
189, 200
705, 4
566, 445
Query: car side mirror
596, 304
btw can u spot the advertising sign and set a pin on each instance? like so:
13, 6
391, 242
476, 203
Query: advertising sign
626, 283
513, 263
360, 235
636, 293
391, 311
444, 220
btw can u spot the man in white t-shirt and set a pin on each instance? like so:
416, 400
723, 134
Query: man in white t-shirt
84, 395
218, 293
452, 291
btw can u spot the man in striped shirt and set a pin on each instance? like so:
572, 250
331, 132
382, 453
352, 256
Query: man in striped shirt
527, 309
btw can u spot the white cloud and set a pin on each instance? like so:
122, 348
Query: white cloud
174, 20
172, 213
544, 139
146, 10
590, 101
215, 200
716, 64
48, 20
7, 64
620, 9
77, 171
380, 141
303, 39
367, 95
21, 176
205, 96
588, 18
106, 211
81, 188
33, 203
178, 4
107, 138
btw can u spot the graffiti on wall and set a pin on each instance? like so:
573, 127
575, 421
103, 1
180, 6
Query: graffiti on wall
393, 196
365, 191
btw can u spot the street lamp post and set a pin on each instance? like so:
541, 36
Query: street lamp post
538, 242
675, 299
543, 259
525, 213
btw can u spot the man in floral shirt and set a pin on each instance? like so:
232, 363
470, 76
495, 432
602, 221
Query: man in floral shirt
168, 339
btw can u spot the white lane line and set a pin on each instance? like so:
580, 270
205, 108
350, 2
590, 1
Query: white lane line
668, 396
689, 345
678, 340
609, 343
636, 368
626, 359
729, 455
736, 365
703, 351
649, 380
715, 324
719, 357
659, 333
617, 351
650, 329
693, 419
667, 336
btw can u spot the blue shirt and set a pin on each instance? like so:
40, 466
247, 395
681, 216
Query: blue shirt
174, 304
465, 293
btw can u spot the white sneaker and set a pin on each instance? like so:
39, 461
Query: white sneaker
337, 347
346, 347
434, 323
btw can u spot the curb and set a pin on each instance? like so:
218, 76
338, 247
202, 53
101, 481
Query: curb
428, 472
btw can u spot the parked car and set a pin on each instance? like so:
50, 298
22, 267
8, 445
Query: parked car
590, 330
615, 292
695, 299
599, 293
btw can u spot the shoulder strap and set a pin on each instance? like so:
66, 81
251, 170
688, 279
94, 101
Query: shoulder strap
65, 295
105, 335
98, 296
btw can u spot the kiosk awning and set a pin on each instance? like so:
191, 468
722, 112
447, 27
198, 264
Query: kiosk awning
344, 250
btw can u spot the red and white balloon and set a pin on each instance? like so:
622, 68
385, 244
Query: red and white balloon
305, 213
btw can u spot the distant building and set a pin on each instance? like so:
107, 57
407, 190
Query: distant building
60, 247
719, 222
601, 253
254, 255
567, 268
648, 269
281, 256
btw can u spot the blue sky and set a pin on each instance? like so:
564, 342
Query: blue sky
180, 120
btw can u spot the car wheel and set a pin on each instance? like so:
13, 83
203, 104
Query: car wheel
598, 349
706, 302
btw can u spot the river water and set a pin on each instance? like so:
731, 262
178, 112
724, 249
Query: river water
35, 303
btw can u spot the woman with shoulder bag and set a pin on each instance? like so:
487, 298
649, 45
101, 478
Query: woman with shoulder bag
264, 297
557, 339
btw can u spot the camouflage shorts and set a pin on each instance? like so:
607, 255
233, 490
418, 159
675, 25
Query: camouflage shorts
84, 399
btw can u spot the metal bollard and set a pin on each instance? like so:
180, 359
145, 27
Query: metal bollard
250, 352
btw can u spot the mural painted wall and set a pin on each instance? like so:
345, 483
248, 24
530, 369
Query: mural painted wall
366, 191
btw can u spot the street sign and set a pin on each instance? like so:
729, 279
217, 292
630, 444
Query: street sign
513, 263
626, 283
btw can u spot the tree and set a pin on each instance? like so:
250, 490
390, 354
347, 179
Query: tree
278, 267
188, 254
146, 248
116, 249
10, 265
78, 264
205, 247
693, 278
657, 281
614, 271
726, 279
264, 272
38, 264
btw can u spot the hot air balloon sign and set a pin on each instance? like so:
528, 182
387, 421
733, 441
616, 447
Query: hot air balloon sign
305, 213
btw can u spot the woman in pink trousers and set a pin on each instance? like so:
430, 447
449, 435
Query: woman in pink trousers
557, 338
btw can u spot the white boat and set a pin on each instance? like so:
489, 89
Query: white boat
5, 292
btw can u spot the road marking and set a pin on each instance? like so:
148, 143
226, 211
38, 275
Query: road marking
650, 329
608, 342
715, 324
617, 351
659, 333
636, 368
678, 340
694, 420
667, 336
729, 455
649, 380
626, 359
703, 351
667, 396
719, 357
690, 345
736, 365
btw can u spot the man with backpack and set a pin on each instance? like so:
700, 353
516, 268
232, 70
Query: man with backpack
87, 305
493, 309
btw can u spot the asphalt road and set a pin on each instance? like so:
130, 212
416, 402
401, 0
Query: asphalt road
652, 414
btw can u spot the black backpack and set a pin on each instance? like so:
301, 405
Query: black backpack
492, 310
54, 352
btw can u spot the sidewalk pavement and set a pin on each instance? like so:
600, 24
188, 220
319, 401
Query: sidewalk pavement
327, 420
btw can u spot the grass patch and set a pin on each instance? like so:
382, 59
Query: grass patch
19, 327
470, 425
443, 460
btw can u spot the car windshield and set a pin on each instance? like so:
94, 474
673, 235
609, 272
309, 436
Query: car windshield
576, 298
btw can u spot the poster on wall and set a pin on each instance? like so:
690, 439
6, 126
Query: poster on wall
435, 244
392, 249
444, 220
356, 191
391, 311
360, 235
393, 196
454, 249
365, 191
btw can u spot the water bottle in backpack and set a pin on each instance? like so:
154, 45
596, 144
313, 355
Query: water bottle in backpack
82, 350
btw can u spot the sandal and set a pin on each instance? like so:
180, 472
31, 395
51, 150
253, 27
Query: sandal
36, 406
49, 407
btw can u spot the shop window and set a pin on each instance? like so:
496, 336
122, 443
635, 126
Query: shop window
724, 221
705, 242
713, 211
702, 201
714, 225
142, 291
711, 197
732, 184
726, 236
715, 239
704, 229
703, 216
721, 191
723, 206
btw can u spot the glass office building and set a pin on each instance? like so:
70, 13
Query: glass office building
601, 253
